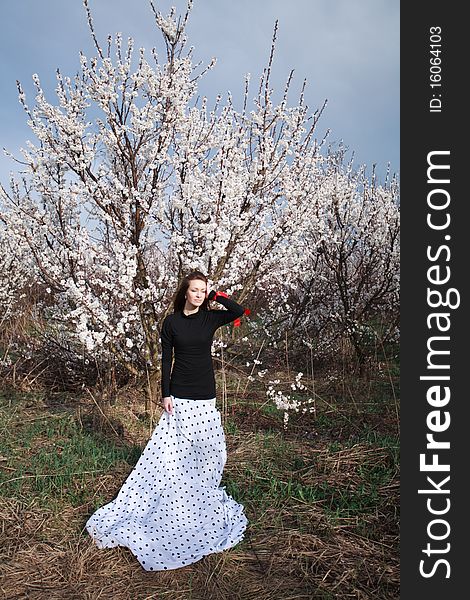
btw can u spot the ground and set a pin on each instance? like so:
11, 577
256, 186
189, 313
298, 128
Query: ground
321, 497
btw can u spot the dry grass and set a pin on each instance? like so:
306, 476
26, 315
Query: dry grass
322, 510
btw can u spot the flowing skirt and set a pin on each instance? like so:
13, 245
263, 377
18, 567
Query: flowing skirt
170, 512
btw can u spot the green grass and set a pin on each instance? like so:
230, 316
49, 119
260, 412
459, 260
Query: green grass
271, 410
230, 426
280, 478
291, 488
52, 458
266, 490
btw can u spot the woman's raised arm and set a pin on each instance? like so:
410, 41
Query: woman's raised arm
234, 310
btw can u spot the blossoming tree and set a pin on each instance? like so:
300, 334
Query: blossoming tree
132, 182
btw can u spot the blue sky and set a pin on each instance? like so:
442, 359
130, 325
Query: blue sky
348, 51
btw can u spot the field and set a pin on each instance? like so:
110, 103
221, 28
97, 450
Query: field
321, 495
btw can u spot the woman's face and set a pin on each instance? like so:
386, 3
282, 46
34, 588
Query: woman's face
196, 292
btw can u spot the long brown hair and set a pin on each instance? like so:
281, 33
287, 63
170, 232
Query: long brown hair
180, 300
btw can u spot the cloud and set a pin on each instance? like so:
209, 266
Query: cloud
348, 51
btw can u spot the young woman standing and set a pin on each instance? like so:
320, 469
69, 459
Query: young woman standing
171, 511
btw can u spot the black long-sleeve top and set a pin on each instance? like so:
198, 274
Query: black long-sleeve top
190, 337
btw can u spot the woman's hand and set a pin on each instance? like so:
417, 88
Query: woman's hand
168, 404
212, 295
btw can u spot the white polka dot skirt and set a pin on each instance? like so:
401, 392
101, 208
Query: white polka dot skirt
170, 511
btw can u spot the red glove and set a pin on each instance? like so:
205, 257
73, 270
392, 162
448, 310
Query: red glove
236, 323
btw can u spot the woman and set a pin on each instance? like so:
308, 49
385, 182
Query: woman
171, 512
